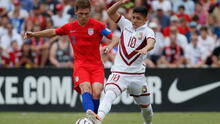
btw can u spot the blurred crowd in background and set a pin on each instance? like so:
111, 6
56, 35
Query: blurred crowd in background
187, 32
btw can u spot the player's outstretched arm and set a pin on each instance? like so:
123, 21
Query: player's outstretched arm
148, 47
44, 33
112, 11
114, 42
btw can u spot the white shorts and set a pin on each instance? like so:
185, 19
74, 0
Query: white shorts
136, 86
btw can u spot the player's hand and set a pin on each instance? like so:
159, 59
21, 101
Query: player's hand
106, 49
141, 51
28, 35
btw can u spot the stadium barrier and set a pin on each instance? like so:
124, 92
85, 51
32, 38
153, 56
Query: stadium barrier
50, 89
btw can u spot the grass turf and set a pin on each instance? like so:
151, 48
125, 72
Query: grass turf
112, 118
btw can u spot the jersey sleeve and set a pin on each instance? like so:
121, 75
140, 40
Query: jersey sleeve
104, 31
122, 21
63, 30
150, 34
107, 33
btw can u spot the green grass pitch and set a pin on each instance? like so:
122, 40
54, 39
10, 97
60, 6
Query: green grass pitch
112, 118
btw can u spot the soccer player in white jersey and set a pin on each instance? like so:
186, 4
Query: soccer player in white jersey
128, 69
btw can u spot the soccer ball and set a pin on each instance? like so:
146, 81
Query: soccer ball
84, 120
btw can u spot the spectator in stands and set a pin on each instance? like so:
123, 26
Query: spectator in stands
27, 56
201, 14
181, 13
49, 23
51, 5
216, 11
180, 38
4, 7
14, 54
59, 19
40, 12
3, 26
35, 18
192, 30
17, 21
44, 11
194, 53
155, 54
164, 4
184, 24
172, 55
61, 53
27, 4
216, 57
36, 3
206, 40
40, 48
188, 4
67, 6
163, 19
11, 34
22, 13
214, 29
71, 10
205, 4
99, 12
174, 21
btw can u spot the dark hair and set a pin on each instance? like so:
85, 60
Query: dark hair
204, 28
141, 9
181, 7
83, 4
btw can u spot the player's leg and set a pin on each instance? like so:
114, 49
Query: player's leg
83, 86
109, 97
97, 79
147, 113
86, 92
104, 107
141, 96
146, 109
113, 88
97, 88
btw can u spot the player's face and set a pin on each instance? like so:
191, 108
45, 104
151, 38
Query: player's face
83, 15
138, 20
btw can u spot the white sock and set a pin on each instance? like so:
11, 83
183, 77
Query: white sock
147, 114
106, 103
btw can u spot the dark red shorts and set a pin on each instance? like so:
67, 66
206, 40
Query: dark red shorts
87, 74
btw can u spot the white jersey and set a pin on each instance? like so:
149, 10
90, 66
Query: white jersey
127, 60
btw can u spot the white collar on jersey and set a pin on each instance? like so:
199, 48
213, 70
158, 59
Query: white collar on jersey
143, 26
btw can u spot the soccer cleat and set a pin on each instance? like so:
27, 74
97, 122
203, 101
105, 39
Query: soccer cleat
93, 117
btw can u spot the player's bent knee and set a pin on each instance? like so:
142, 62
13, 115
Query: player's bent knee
113, 88
85, 87
144, 106
97, 90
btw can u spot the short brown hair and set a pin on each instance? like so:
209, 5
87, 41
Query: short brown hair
83, 4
